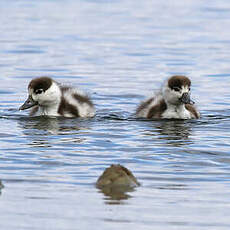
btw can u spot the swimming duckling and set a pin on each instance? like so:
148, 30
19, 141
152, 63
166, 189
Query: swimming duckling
47, 97
173, 101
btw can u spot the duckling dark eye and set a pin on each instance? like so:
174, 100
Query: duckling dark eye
38, 91
189, 88
176, 88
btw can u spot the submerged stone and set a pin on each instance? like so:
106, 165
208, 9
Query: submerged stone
117, 175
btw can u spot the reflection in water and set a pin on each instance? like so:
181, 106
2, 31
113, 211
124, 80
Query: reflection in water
1, 187
136, 61
37, 129
115, 194
175, 186
42, 123
174, 132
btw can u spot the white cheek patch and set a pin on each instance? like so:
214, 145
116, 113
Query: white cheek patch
184, 89
53, 93
30, 91
170, 95
40, 98
173, 95
50, 97
35, 97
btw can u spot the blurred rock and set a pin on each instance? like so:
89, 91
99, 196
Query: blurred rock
117, 175
115, 182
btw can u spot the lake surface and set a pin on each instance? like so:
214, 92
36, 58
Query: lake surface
119, 52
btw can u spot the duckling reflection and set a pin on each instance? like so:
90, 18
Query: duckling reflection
174, 132
116, 181
53, 125
1, 187
37, 130
41, 123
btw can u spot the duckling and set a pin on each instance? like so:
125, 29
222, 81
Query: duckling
172, 101
47, 97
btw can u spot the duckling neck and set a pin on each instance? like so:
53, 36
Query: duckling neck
50, 110
176, 111
177, 108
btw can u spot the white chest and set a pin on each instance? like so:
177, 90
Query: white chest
48, 111
176, 112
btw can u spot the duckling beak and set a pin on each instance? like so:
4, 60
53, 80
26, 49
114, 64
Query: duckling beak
186, 99
28, 103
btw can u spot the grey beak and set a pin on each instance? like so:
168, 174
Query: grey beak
186, 99
28, 103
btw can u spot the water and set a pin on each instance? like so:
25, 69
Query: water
119, 52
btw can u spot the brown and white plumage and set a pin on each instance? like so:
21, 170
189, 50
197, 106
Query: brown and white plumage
47, 97
173, 101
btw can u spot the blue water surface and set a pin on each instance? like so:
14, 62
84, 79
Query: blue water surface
119, 52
